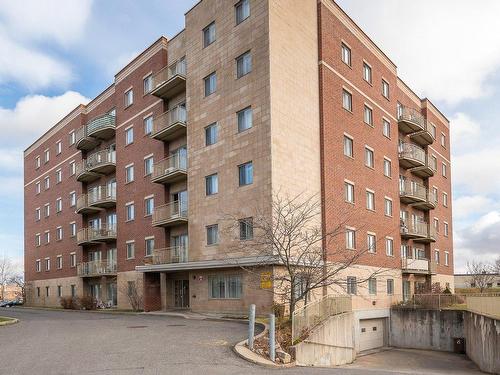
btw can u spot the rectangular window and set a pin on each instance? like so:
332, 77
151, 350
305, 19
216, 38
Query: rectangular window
37, 187
129, 136
389, 247
386, 128
385, 89
149, 245
246, 228
129, 173
443, 140
59, 262
224, 287
390, 287
445, 229
388, 207
72, 138
59, 291
47, 183
47, 156
38, 239
212, 234
58, 205
370, 200
47, 237
148, 166
73, 290
350, 238
130, 250
349, 192
129, 98
210, 83
59, 233
130, 211
444, 170
369, 157
347, 100
387, 168
72, 168
38, 265
148, 84
38, 214
242, 11
368, 116
211, 134
211, 184
72, 199
47, 291
58, 147
348, 146
372, 285
352, 285
445, 199
446, 258
436, 224
367, 73
371, 242
72, 260
243, 64
209, 35
245, 119
346, 54
47, 264
47, 210
148, 206
148, 125
436, 256
72, 229
245, 172
37, 162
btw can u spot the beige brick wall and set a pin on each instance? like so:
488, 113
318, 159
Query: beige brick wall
52, 300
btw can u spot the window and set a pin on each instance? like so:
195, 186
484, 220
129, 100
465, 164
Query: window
47, 237
352, 286
38, 266
436, 256
72, 229
350, 238
368, 116
47, 182
47, 156
390, 287
389, 246
38, 239
385, 89
37, 187
58, 205
245, 172
210, 83
59, 291
209, 35
47, 209
211, 184
346, 54
129, 136
58, 176
443, 170
38, 214
246, 228
129, 173
37, 162
59, 233
446, 258
369, 158
130, 211
148, 125
436, 224
129, 98
348, 146
242, 11
349, 192
224, 286
149, 245
148, 166
371, 242
387, 167
47, 291
147, 83
388, 207
370, 200
47, 264
72, 168
445, 229
59, 262
347, 100
211, 134
72, 260
435, 193
243, 64
58, 147
386, 128
433, 130
367, 73
443, 140
245, 119
130, 249
148, 206
372, 285
72, 199
212, 234
72, 138
445, 199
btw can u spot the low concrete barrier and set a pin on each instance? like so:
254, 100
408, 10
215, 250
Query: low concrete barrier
482, 341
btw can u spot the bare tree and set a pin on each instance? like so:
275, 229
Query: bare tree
497, 266
312, 257
132, 291
481, 274
6, 273
18, 280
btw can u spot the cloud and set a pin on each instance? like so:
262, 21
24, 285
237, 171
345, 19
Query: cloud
468, 206
33, 115
465, 132
477, 171
435, 53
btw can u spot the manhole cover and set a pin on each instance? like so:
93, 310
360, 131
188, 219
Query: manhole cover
137, 327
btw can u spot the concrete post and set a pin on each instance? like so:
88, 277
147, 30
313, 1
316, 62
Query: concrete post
251, 326
272, 338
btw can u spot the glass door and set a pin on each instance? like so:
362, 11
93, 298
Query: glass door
181, 293
180, 246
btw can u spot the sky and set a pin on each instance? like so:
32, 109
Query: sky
57, 54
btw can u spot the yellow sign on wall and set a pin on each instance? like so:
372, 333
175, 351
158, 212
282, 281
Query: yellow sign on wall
265, 280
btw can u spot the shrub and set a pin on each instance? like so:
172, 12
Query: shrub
88, 303
69, 303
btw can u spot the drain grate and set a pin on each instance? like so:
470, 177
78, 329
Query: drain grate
176, 325
137, 327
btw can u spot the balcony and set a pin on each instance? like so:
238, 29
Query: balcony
171, 169
83, 141
410, 120
102, 127
96, 268
418, 266
418, 232
102, 196
170, 81
96, 235
176, 254
83, 207
97, 164
170, 125
412, 192
170, 214
411, 155
427, 170
429, 203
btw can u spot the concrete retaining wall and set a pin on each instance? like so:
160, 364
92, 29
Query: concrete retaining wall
482, 341
329, 344
425, 329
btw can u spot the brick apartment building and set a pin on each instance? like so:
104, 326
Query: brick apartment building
252, 97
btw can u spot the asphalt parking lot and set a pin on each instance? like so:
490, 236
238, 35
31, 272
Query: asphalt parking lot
70, 342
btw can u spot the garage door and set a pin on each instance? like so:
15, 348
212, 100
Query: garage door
371, 334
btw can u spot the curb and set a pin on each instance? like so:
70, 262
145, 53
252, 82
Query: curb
73, 310
9, 322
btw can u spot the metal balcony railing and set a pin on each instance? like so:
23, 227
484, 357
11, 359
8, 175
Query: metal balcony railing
419, 265
97, 268
173, 165
106, 121
175, 254
176, 69
100, 194
412, 152
104, 233
412, 190
170, 212
168, 119
412, 117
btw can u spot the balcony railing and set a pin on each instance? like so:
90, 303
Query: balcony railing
96, 164
103, 234
96, 268
102, 127
411, 155
170, 214
410, 120
428, 169
170, 124
418, 231
411, 192
83, 141
102, 196
171, 169
175, 254
416, 265
171, 80
82, 205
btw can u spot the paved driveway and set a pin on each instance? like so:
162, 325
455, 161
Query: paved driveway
61, 342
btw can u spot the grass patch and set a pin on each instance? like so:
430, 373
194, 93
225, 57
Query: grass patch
4, 319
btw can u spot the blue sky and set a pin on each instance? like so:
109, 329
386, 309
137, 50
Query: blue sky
58, 54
